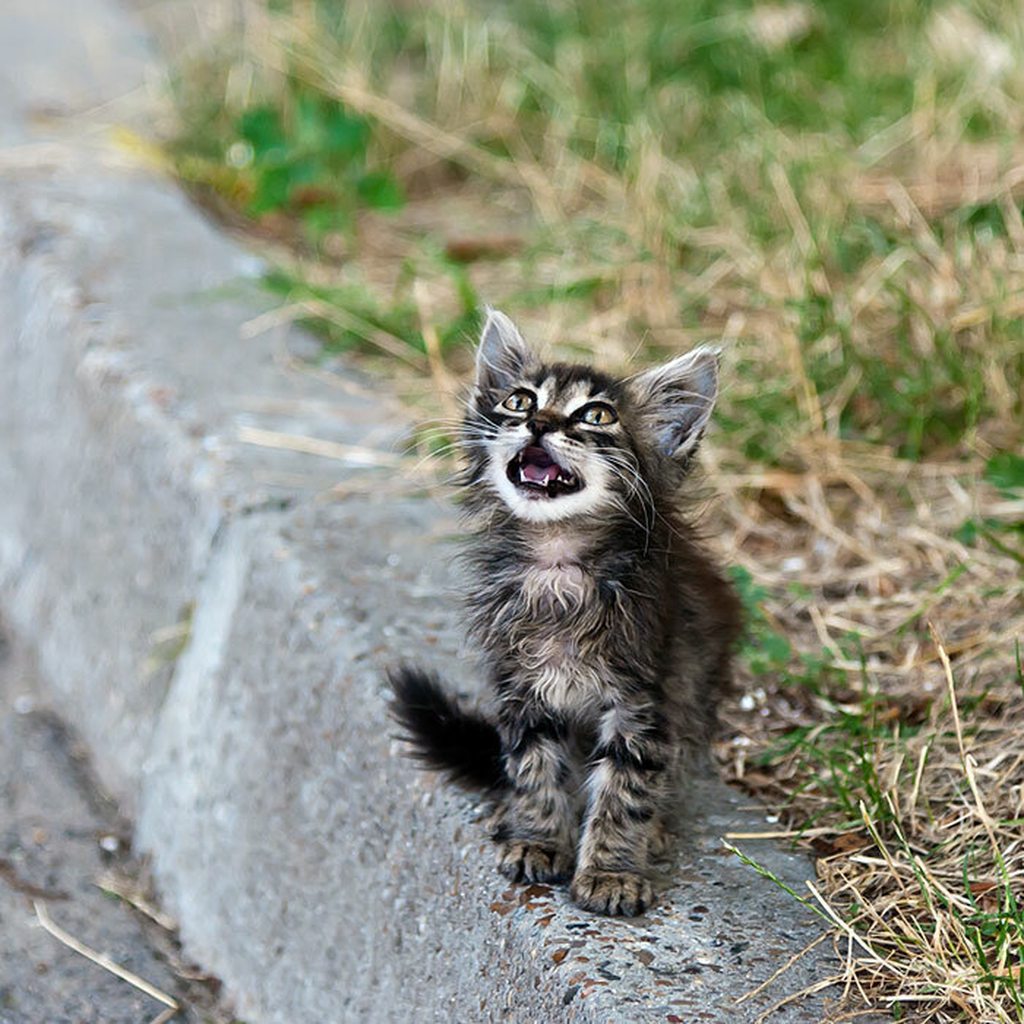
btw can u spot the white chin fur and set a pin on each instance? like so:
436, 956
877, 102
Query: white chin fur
550, 510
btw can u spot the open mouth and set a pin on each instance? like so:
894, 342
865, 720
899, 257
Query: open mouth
538, 475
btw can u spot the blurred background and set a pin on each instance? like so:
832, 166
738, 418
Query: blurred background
833, 190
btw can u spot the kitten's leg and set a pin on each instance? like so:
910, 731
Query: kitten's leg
627, 789
535, 836
662, 840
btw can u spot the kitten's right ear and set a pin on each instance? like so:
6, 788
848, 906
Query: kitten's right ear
502, 354
675, 400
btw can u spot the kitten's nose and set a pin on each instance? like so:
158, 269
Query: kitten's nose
543, 421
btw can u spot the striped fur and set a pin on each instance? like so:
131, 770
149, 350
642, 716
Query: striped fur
606, 630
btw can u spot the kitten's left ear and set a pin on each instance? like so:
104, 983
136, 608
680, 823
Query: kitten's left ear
675, 400
502, 354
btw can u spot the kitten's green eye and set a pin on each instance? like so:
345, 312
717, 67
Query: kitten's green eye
598, 415
519, 401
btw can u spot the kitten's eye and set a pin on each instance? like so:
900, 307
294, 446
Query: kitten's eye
519, 401
597, 415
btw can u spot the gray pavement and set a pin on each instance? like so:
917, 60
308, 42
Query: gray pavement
213, 607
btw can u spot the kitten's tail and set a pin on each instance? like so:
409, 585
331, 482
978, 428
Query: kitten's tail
445, 736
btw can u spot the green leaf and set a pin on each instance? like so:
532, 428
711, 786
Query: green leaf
305, 171
1006, 471
776, 647
273, 185
344, 134
261, 127
307, 123
967, 532
380, 191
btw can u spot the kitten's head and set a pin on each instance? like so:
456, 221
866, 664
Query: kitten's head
556, 441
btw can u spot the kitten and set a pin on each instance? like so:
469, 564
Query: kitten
606, 630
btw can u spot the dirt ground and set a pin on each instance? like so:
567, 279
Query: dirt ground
64, 853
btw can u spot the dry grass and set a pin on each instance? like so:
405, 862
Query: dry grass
856, 241
916, 820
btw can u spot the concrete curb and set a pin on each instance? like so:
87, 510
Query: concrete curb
309, 866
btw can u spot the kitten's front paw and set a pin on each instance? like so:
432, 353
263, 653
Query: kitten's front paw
532, 862
612, 892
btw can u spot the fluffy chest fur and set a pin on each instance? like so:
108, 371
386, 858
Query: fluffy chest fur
552, 637
556, 625
552, 577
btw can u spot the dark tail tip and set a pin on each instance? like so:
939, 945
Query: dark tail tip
442, 735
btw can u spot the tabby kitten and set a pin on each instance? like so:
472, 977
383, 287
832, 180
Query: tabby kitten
606, 630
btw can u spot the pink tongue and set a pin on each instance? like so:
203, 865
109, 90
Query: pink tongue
540, 474
538, 466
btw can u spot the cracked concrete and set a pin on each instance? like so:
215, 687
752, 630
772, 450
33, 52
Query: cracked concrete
214, 619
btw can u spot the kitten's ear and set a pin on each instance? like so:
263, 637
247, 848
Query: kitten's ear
675, 400
502, 354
